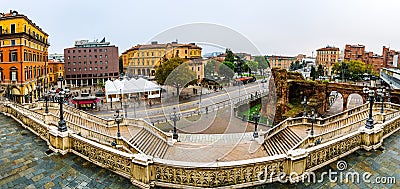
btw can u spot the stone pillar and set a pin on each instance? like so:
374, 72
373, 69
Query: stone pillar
345, 97
372, 138
296, 164
141, 170
59, 141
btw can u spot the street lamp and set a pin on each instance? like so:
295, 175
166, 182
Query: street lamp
120, 97
62, 126
134, 105
174, 118
381, 93
118, 120
255, 117
46, 98
389, 90
304, 103
61, 80
312, 121
370, 122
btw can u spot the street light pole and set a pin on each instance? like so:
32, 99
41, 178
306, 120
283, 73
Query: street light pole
174, 118
304, 102
370, 122
312, 121
62, 126
118, 120
256, 118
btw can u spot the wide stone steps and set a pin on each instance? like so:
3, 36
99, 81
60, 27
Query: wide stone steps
149, 143
281, 142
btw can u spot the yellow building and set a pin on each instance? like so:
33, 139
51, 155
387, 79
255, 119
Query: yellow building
23, 53
327, 57
55, 69
144, 59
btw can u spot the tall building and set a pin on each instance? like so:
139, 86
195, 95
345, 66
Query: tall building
327, 57
23, 57
388, 57
144, 59
90, 62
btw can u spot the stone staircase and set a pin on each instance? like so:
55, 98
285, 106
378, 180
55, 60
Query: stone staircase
281, 142
149, 143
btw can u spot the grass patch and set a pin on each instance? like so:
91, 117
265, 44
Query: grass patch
255, 109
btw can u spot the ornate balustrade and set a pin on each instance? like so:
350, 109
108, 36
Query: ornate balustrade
146, 171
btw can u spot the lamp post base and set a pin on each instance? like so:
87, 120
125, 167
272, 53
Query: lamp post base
62, 126
175, 136
369, 124
255, 134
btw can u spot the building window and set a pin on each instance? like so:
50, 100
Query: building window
13, 42
68, 57
74, 69
100, 50
95, 68
106, 56
95, 50
101, 62
198, 69
13, 56
90, 68
101, 56
69, 69
12, 28
106, 62
73, 51
84, 69
105, 50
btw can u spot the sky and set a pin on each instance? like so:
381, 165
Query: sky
281, 27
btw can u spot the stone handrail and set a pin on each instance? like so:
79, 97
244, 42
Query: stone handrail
94, 135
241, 173
145, 124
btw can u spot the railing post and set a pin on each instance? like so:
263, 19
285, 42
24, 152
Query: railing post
296, 161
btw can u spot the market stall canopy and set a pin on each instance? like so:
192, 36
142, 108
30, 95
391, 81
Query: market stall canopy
130, 86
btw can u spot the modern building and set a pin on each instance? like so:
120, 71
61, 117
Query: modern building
87, 63
144, 59
280, 61
388, 57
23, 56
327, 57
56, 57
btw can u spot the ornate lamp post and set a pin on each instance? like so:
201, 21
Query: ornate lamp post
312, 121
370, 122
255, 117
175, 118
62, 126
304, 103
46, 98
389, 90
118, 120
61, 80
381, 93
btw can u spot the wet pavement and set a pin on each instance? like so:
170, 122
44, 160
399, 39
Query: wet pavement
24, 164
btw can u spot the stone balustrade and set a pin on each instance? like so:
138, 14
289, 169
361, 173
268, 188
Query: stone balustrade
345, 134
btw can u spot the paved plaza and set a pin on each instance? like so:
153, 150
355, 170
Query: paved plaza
24, 164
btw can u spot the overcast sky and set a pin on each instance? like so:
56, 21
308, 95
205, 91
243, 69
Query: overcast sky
281, 27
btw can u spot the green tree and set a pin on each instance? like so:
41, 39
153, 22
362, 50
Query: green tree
100, 83
352, 70
209, 68
313, 73
229, 65
226, 70
320, 70
230, 57
175, 68
253, 65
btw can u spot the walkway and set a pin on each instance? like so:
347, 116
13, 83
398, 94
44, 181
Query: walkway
24, 164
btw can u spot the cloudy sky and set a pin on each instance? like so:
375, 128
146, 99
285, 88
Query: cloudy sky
281, 27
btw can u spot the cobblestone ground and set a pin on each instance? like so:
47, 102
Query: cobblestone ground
24, 164
382, 164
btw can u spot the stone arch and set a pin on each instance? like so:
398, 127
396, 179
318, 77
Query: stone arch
335, 100
354, 100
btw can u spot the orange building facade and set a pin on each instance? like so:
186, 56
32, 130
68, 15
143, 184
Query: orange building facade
23, 57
